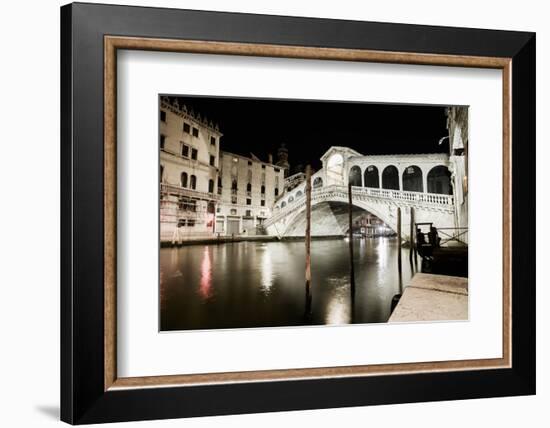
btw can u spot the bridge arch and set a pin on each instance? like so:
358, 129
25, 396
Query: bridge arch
372, 179
390, 178
355, 176
317, 182
412, 179
335, 170
439, 180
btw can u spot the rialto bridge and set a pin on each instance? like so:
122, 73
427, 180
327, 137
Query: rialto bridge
380, 184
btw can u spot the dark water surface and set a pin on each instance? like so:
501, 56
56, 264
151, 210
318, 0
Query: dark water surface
261, 284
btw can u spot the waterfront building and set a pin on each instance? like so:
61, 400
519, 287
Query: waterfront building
189, 163
248, 188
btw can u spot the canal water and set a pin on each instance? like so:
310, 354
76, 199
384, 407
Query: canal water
261, 284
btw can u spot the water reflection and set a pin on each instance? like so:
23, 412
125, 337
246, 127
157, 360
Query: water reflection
254, 284
206, 275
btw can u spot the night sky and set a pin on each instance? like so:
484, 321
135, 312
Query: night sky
310, 128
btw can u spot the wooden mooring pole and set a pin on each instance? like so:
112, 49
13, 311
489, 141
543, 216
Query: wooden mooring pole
411, 237
308, 238
399, 238
352, 270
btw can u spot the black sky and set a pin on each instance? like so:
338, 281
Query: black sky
310, 128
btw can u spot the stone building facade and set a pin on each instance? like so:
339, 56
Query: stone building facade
248, 189
204, 191
189, 163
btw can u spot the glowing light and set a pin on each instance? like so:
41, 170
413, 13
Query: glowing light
206, 275
267, 271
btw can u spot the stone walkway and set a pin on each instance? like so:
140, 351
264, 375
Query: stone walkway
431, 297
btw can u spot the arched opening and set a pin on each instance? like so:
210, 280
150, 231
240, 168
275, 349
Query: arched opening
183, 179
355, 176
283, 204
210, 186
291, 199
193, 182
412, 179
318, 182
439, 180
299, 194
335, 170
371, 177
390, 178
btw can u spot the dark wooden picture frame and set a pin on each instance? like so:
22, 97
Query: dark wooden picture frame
90, 389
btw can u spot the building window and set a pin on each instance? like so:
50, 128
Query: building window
248, 213
276, 191
249, 187
213, 141
219, 185
194, 154
210, 186
234, 187
186, 128
162, 141
185, 150
263, 166
233, 211
195, 132
187, 204
190, 222
218, 210
161, 173
277, 170
181, 222
249, 202
162, 116
183, 179
249, 163
212, 160
263, 190
193, 182
233, 199
262, 202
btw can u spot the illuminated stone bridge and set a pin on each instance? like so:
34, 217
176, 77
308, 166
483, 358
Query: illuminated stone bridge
380, 185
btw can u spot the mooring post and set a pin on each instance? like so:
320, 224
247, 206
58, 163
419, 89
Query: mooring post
399, 239
411, 238
308, 236
352, 270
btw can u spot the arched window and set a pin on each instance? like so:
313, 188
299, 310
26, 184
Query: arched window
210, 186
183, 179
263, 190
390, 178
299, 194
412, 179
276, 191
211, 207
439, 180
291, 199
371, 177
193, 182
283, 204
318, 182
355, 176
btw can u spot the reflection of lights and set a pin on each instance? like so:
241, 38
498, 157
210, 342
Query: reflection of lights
337, 311
382, 251
206, 275
267, 271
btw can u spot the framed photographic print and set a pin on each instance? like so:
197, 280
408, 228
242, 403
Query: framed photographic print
266, 213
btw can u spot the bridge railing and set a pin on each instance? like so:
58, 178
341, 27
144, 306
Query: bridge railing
419, 198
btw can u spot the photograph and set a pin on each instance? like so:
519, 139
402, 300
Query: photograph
286, 213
